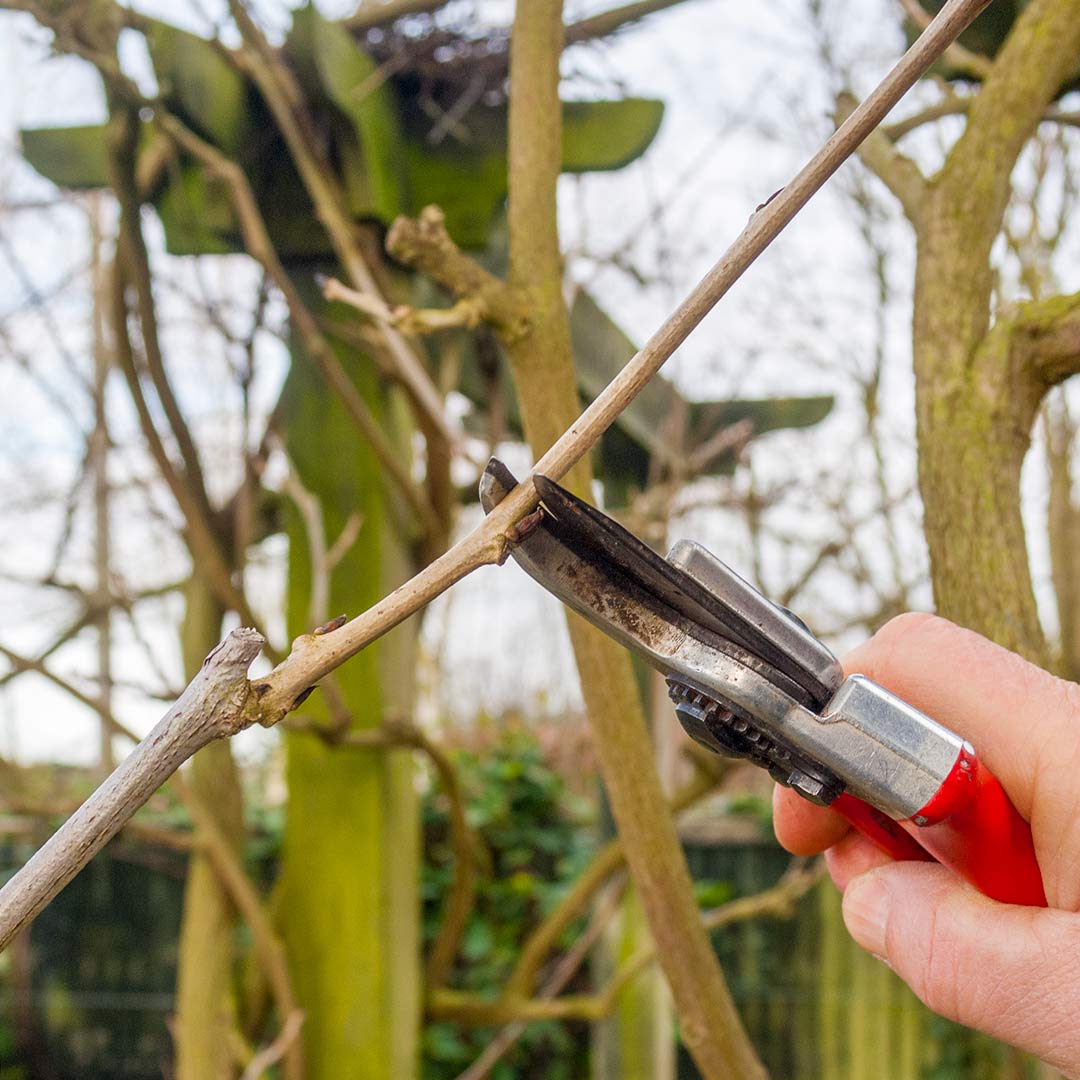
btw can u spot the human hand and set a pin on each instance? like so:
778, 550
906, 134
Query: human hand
1012, 972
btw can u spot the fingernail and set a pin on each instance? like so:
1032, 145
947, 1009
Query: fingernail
866, 912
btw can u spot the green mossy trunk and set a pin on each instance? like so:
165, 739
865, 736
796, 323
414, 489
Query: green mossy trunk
205, 1006
637, 1041
348, 901
975, 400
974, 421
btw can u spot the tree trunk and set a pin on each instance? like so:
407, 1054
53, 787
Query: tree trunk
975, 403
543, 371
347, 900
205, 1006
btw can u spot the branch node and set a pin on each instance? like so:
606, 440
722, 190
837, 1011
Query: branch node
425, 245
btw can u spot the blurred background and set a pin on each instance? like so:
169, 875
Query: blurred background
174, 462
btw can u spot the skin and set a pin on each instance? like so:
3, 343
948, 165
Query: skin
1012, 972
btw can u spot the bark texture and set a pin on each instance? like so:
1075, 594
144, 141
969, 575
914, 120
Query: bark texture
347, 902
978, 391
543, 371
205, 1008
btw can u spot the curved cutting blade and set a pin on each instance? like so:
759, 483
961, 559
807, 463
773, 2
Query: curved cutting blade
617, 582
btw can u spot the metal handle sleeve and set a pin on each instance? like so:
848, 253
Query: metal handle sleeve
970, 826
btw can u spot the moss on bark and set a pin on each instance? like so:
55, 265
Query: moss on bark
976, 400
205, 1005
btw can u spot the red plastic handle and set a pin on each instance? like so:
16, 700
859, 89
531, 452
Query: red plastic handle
970, 826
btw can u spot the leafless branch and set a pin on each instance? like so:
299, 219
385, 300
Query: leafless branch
372, 13
212, 707
895, 170
220, 701
607, 22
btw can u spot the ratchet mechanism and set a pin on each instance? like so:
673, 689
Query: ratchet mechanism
749, 680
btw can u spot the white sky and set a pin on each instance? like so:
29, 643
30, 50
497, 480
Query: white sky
746, 105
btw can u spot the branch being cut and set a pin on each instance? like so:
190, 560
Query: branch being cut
271, 698
312, 658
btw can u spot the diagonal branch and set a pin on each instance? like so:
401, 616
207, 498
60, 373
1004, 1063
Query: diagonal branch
894, 169
607, 22
212, 707
373, 13
220, 701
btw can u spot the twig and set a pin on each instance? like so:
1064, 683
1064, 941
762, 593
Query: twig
219, 698
607, 22
272, 1054
372, 13
212, 707
778, 902
409, 320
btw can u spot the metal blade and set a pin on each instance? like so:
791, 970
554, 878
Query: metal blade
606, 574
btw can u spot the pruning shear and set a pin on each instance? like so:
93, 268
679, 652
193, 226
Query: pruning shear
749, 680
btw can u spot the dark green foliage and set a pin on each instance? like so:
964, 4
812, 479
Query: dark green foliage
201, 86
535, 840
71, 157
380, 142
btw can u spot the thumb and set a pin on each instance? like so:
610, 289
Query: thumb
1013, 972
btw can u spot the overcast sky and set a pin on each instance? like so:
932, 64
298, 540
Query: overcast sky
747, 102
